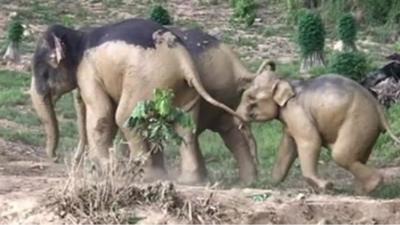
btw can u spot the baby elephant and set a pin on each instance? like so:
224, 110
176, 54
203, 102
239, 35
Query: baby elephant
330, 111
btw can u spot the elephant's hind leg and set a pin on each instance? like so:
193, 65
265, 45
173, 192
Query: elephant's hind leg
193, 169
351, 151
240, 145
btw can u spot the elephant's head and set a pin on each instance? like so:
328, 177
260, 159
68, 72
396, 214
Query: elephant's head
54, 73
264, 96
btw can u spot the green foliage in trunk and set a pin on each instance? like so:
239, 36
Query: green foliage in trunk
155, 120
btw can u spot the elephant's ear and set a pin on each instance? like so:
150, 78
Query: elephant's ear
268, 65
58, 49
282, 92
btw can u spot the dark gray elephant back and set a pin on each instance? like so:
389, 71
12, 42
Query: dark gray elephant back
195, 40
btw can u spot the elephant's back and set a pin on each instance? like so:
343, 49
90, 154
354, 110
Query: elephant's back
196, 40
135, 31
334, 100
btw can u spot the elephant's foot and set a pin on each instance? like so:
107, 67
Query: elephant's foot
247, 177
53, 159
152, 174
319, 185
369, 185
193, 178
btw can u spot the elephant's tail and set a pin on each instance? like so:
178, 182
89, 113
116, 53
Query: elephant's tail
385, 124
192, 77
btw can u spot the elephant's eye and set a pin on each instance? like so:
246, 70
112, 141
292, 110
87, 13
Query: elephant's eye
251, 97
253, 105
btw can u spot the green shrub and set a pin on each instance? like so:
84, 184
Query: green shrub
294, 15
160, 15
311, 34
15, 31
397, 46
244, 11
318, 70
351, 64
347, 30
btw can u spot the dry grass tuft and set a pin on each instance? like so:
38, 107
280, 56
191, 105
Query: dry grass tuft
118, 195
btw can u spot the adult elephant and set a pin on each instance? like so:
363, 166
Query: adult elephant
114, 67
224, 77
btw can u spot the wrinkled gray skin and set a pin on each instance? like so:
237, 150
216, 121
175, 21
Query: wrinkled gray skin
330, 111
224, 77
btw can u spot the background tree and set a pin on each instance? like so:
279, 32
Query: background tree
160, 15
347, 31
311, 39
14, 36
244, 11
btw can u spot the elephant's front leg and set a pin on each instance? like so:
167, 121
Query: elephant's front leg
100, 124
285, 157
193, 170
81, 119
308, 143
241, 143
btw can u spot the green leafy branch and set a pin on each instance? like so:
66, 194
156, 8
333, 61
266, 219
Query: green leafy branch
156, 119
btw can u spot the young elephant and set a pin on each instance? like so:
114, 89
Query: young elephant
330, 111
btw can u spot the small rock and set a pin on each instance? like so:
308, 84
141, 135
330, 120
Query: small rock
301, 196
338, 46
323, 221
215, 32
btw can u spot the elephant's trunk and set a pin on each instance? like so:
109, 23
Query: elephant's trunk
43, 105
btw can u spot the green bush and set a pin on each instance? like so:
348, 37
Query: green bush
351, 64
347, 30
311, 34
160, 15
244, 11
294, 15
376, 12
15, 31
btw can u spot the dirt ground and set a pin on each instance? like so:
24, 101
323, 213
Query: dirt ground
26, 179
